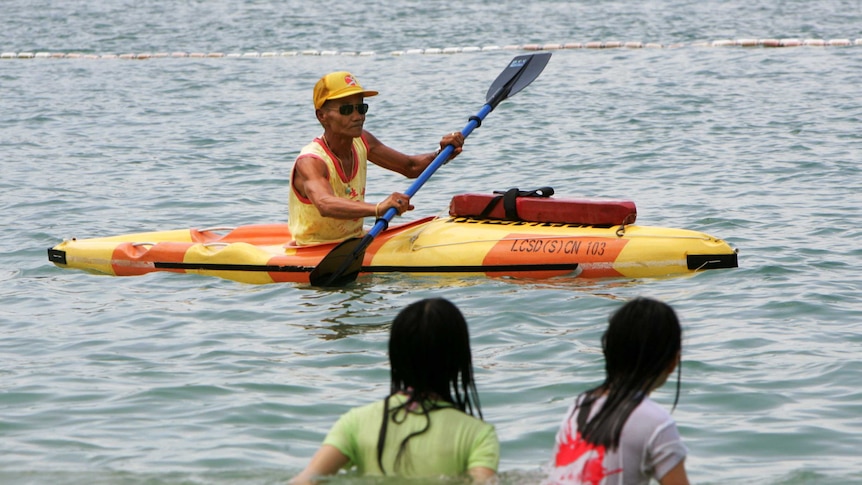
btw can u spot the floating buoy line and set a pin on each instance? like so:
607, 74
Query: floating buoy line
749, 43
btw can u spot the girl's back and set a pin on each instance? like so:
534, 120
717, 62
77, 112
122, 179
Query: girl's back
454, 442
650, 445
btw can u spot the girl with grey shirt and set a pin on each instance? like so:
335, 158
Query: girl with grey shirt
614, 433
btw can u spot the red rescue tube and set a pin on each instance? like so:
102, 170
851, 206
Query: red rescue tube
590, 212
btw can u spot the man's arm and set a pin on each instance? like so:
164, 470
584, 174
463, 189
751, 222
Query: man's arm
310, 179
411, 166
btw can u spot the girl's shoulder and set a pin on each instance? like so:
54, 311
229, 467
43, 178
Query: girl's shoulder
363, 411
651, 410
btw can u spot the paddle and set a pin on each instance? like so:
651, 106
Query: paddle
342, 265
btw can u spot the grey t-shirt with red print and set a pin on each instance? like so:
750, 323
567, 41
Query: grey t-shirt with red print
650, 446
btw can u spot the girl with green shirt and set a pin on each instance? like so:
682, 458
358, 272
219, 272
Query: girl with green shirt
426, 427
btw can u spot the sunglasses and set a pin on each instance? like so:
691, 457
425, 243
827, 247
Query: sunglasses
347, 109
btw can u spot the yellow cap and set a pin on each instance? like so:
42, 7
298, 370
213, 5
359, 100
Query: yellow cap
337, 85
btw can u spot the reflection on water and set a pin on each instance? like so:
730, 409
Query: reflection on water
337, 331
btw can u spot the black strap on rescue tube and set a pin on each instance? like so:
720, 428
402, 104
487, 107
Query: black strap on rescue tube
509, 201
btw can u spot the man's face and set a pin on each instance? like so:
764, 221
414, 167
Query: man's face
332, 116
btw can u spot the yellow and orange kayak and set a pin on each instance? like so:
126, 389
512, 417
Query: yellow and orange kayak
466, 245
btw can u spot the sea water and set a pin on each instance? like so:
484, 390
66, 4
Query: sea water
170, 378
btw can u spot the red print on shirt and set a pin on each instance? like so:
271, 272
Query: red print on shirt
583, 462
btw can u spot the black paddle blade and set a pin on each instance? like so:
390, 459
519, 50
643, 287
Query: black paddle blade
520, 72
341, 266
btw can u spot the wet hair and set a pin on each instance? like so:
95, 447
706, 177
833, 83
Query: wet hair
430, 361
643, 339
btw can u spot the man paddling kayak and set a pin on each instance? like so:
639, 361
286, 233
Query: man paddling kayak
327, 182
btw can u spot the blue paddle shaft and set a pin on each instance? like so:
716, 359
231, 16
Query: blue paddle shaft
426, 174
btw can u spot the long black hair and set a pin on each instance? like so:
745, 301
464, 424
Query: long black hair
643, 339
430, 361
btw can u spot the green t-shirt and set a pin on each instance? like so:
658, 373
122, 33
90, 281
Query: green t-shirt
454, 443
